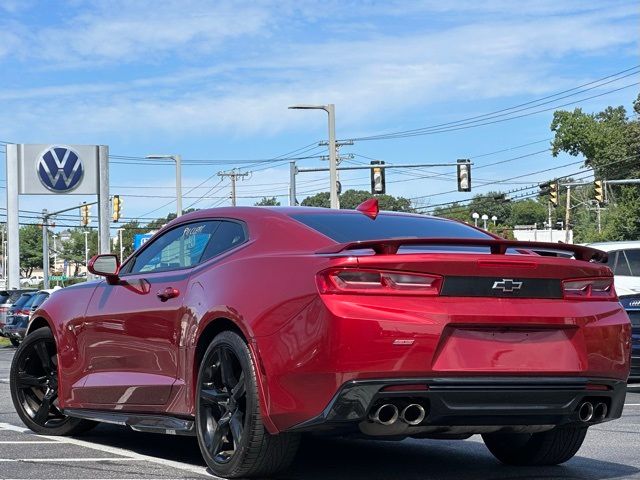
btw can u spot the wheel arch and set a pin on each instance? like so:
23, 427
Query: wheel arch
221, 324
37, 323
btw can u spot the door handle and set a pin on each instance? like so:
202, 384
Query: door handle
168, 293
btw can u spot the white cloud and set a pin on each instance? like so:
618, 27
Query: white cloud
243, 93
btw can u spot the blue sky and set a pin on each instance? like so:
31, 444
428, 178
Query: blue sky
212, 81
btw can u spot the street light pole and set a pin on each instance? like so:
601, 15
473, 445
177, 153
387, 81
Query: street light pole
86, 253
120, 230
45, 249
178, 160
333, 156
475, 216
485, 217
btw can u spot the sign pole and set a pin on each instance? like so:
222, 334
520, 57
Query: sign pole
104, 217
13, 223
45, 249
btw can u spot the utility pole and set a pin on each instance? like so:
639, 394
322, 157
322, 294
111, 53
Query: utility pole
567, 215
45, 248
233, 175
293, 171
599, 217
550, 226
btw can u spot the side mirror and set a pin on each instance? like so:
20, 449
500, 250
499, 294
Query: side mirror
106, 265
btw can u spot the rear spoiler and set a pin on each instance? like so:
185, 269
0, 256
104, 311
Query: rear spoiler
497, 246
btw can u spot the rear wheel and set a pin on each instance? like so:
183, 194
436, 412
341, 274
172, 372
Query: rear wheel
34, 387
231, 435
545, 448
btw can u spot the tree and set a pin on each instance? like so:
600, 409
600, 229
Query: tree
73, 248
492, 203
527, 212
129, 231
30, 249
608, 140
350, 199
268, 202
455, 211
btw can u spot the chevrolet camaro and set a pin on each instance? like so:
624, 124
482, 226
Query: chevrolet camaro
247, 327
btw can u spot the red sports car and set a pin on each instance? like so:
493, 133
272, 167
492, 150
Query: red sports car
249, 326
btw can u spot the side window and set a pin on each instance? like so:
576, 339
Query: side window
633, 261
227, 236
180, 247
620, 265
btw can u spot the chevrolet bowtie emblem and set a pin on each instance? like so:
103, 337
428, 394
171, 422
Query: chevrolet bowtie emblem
507, 285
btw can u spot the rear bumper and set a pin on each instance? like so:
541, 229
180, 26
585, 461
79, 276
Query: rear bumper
469, 405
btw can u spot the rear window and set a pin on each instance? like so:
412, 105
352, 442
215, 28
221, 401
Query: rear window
38, 299
625, 262
22, 300
352, 228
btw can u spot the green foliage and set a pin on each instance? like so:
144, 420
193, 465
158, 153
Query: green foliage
352, 198
608, 140
30, 249
527, 212
268, 202
73, 249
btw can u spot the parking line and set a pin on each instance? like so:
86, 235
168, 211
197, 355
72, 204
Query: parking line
116, 451
57, 460
23, 442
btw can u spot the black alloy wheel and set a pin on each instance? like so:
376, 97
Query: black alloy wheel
231, 435
34, 387
223, 404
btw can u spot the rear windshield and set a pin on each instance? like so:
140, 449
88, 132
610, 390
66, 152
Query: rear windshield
353, 228
625, 262
38, 300
22, 300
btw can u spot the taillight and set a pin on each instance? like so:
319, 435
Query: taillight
378, 282
598, 288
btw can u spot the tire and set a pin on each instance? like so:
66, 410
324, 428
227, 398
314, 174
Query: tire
34, 387
231, 435
552, 447
14, 341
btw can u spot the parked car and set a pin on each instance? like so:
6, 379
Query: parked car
17, 322
16, 309
624, 260
32, 281
248, 326
7, 297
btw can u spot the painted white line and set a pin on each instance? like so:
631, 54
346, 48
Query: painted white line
58, 460
116, 451
23, 442
632, 404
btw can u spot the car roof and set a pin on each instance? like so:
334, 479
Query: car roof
612, 246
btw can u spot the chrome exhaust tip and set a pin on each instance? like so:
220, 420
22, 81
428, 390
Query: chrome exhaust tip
386, 414
413, 414
585, 412
600, 412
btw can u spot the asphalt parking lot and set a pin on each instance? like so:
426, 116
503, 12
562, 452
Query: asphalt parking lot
610, 451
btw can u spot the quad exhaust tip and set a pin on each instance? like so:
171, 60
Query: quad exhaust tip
585, 412
600, 412
386, 414
413, 414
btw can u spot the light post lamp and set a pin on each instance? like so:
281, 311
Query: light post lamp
333, 164
475, 217
494, 219
485, 217
178, 160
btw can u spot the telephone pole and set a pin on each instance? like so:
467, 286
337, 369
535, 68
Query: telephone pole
233, 175
567, 215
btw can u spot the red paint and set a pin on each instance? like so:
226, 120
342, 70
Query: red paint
122, 347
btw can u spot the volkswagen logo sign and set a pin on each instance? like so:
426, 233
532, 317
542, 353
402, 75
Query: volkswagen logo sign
60, 169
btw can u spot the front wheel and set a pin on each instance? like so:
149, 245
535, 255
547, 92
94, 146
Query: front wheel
552, 447
34, 387
231, 435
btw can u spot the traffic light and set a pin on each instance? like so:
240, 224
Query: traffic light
599, 191
116, 205
378, 184
464, 175
84, 215
553, 194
